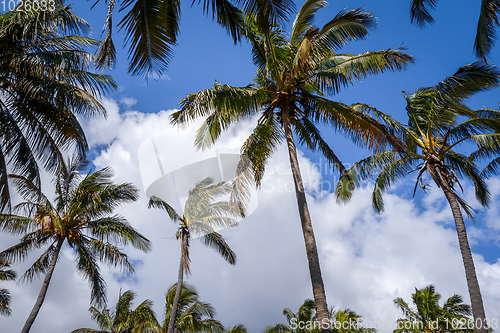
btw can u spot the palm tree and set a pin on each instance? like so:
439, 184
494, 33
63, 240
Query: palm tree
192, 315
293, 77
5, 275
201, 214
123, 319
81, 216
439, 122
488, 18
428, 316
305, 321
45, 81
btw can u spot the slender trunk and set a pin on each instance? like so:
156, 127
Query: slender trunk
175, 303
43, 291
470, 272
307, 229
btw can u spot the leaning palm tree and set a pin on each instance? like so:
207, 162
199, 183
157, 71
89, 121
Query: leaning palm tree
428, 316
192, 315
122, 319
6, 274
488, 18
46, 80
438, 124
202, 213
293, 76
81, 216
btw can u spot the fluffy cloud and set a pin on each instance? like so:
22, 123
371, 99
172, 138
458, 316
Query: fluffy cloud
367, 260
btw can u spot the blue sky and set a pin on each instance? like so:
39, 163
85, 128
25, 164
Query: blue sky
367, 260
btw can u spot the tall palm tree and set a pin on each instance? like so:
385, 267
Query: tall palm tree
122, 319
428, 316
488, 18
293, 76
192, 315
202, 213
305, 321
81, 216
5, 275
46, 79
439, 123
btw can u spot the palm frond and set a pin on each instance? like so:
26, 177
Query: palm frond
485, 35
155, 202
218, 243
149, 36
347, 25
419, 11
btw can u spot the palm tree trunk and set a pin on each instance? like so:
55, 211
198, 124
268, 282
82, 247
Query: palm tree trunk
307, 230
470, 272
43, 291
175, 303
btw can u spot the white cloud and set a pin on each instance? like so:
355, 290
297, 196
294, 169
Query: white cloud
128, 101
367, 260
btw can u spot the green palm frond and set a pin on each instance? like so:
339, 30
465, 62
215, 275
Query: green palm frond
346, 26
155, 202
419, 11
342, 70
309, 134
470, 79
259, 146
5, 299
303, 20
217, 242
147, 32
226, 14
88, 268
31, 241
486, 35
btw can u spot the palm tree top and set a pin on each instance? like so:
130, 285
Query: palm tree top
439, 122
81, 215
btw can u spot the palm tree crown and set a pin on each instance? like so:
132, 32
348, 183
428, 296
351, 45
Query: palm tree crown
428, 316
45, 80
192, 315
122, 319
81, 216
294, 74
439, 123
202, 213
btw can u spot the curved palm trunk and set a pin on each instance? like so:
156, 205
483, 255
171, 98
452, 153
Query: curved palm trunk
43, 290
470, 272
175, 303
307, 229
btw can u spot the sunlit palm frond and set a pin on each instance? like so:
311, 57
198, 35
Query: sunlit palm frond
303, 20
342, 70
347, 25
